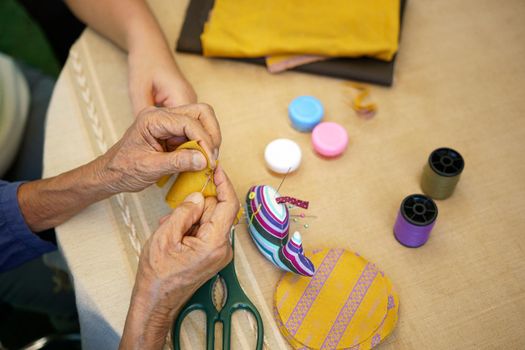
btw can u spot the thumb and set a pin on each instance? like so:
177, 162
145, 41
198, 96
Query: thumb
183, 218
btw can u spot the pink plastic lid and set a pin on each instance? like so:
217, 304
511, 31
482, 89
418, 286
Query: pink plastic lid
329, 139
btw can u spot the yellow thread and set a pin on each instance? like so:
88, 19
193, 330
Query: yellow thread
239, 216
367, 110
255, 213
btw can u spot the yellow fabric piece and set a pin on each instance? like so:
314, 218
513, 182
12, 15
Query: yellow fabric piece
256, 28
163, 180
350, 303
189, 182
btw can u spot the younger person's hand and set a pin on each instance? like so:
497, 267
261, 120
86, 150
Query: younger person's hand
154, 78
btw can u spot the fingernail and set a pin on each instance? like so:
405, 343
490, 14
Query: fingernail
198, 160
216, 153
195, 197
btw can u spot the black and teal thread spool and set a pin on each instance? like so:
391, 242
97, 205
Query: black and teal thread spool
441, 173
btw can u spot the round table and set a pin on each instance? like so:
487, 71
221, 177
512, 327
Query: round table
458, 83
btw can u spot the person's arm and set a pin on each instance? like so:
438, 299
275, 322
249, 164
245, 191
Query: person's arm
133, 163
125, 22
189, 247
49, 202
154, 77
18, 243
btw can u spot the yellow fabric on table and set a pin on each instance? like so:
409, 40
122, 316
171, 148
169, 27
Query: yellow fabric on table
256, 28
348, 303
189, 182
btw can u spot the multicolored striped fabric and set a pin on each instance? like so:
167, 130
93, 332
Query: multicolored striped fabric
347, 304
269, 224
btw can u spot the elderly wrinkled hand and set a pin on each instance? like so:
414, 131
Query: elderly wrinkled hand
139, 159
190, 246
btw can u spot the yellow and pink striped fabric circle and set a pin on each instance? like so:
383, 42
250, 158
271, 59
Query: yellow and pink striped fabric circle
347, 304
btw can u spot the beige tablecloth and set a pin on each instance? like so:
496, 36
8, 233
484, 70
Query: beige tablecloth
459, 83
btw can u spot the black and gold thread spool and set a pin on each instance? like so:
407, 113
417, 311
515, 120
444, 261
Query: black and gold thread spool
441, 173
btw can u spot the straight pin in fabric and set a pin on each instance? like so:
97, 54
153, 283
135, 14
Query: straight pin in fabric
284, 178
206, 184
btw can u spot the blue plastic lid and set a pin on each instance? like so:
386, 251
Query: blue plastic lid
305, 112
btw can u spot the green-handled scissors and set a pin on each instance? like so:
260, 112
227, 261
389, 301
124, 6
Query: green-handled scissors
235, 300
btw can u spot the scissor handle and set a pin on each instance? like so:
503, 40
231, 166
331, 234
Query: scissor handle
201, 300
226, 323
236, 299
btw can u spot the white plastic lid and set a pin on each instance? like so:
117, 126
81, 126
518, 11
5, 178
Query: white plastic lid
282, 156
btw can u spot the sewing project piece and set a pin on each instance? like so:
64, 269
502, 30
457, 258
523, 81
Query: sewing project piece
189, 182
268, 224
348, 304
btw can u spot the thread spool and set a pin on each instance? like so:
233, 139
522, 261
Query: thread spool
441, 173
416, 218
